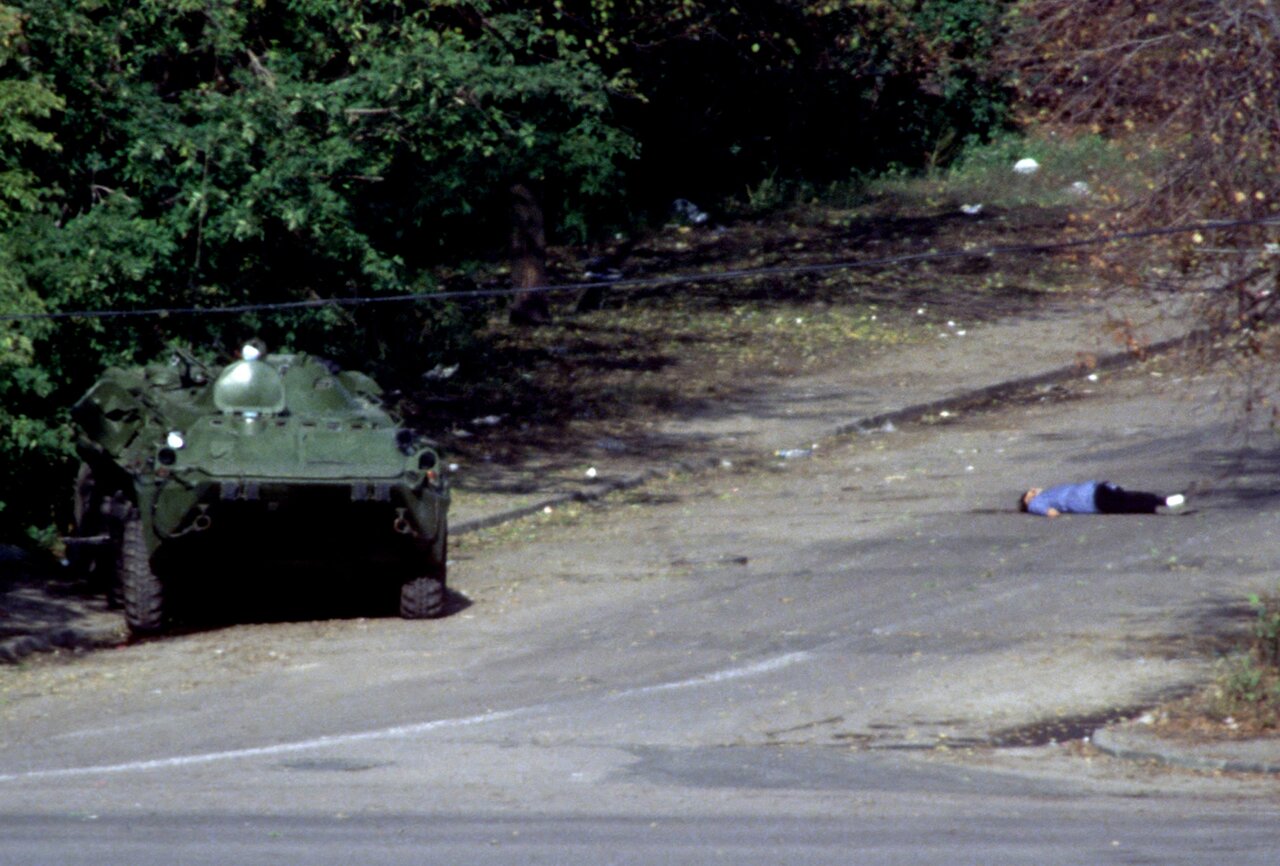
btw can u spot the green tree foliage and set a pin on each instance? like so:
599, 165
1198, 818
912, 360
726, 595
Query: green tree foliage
205, 153
28, 441
25, 101
727, 94
172, 153
236, 152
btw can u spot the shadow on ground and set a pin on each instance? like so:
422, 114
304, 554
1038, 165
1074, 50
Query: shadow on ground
38, 596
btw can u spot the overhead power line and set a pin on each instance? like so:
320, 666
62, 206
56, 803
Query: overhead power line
658, 282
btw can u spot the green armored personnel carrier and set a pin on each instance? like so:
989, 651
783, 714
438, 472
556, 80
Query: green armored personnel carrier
273, 461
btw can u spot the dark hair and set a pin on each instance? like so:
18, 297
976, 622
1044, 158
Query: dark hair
1023, 502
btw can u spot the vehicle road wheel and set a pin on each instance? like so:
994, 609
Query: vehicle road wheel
142, 590
423, 597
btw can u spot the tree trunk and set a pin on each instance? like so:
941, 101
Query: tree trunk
528, 258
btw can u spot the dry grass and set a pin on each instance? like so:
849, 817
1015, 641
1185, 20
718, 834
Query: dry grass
1243, 701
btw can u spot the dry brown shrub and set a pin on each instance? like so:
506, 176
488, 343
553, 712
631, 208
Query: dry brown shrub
1193, 88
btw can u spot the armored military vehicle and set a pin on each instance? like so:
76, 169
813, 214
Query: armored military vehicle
275, 463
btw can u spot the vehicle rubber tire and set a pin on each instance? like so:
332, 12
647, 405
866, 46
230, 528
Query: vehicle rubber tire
143, 592
421, 598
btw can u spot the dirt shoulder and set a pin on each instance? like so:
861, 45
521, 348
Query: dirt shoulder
600, 377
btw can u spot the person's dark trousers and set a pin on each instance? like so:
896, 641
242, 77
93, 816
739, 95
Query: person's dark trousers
1114, 499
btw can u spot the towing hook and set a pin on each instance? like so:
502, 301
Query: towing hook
199, 523
401, 523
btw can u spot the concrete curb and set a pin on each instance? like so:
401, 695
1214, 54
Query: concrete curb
594, 492
1008, 388
1243, 756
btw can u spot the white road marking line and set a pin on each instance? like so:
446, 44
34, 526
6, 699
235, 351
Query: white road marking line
761, 667
261, 751
398, 731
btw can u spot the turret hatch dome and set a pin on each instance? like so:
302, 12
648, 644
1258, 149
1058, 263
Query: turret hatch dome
249, 386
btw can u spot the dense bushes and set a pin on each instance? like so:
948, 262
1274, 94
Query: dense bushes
180, 154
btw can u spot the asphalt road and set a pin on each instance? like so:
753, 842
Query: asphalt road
811, 661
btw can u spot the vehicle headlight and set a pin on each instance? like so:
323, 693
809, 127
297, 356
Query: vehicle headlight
174, 440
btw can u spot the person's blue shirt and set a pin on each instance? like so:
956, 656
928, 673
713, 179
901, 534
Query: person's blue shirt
1079, 498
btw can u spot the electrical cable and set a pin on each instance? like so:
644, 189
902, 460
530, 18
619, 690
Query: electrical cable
657, 282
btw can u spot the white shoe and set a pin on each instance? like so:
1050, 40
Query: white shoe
1175, 500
